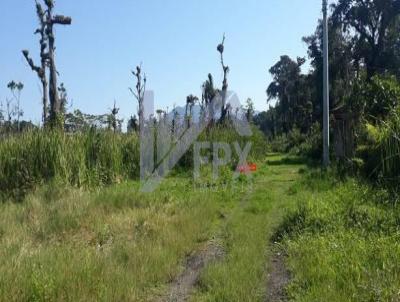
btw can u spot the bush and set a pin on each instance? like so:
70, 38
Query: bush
312, 146
298, 143
379, 148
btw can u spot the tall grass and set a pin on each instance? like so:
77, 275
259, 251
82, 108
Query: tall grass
379, 148
87, 159
390, 146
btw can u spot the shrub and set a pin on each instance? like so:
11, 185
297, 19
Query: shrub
312, 146
379, 148
298, 143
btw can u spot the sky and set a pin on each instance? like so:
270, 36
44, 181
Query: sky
175, 40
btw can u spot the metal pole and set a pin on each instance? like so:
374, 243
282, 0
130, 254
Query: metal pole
326, 85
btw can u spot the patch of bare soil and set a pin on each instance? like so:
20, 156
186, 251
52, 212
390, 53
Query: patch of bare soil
278, 279
181, 289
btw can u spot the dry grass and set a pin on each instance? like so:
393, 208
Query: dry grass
110, 245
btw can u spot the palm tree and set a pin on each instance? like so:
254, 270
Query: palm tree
190, 102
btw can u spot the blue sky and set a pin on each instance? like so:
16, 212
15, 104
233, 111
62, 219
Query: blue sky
174, 39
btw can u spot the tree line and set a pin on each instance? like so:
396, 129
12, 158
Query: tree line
364, 64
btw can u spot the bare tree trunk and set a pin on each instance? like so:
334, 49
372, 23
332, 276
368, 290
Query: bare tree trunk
55, 103
224, 109
43, 60
47, 55
139, 94
53, 93
45, 101
41, 72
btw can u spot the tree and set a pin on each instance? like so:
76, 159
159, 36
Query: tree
208, 94
266, 121
55, 102
78, 121
285, 87
175, 121
16, 89
342, 67
190, 102
113, 122
63, 98
133, 125
374, 27
47, 20
41, 70
378, 97
139, 93
225, 69
249, 109
161, 114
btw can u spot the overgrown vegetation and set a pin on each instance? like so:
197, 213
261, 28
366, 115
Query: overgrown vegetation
89, 159
113, 244
341, 240
364, 64
74, 226
243, 274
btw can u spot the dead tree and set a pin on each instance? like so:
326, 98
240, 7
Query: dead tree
224, 108
41, 71
139, 94
47, 21
190, 102
51, 20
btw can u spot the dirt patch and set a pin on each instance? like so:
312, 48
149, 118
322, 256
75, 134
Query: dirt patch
278, 278
181, 289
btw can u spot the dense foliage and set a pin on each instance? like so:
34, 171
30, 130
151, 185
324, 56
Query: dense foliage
364, 64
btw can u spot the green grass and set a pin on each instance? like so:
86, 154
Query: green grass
342, 241
242, 276
86, 159
113, 243
110, 245
390, 146
91, 159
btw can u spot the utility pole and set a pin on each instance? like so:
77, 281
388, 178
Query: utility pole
325, 85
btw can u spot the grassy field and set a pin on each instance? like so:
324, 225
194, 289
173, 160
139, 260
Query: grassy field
110, 245
115, 244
